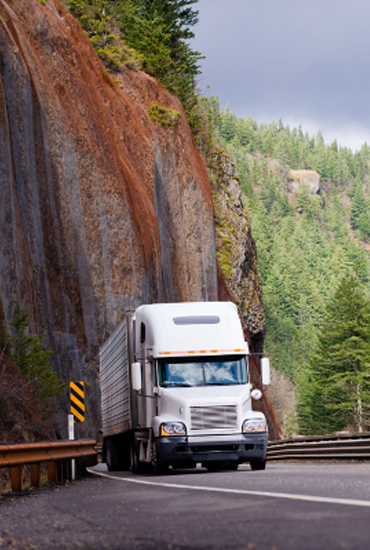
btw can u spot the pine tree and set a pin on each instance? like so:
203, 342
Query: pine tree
360, 210
337, 391
158, 30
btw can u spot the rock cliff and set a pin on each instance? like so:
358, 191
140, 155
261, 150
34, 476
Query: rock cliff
235, 248
103, 206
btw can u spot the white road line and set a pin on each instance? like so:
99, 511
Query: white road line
268, 494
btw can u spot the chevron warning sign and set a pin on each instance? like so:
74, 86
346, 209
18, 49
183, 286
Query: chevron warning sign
77, 396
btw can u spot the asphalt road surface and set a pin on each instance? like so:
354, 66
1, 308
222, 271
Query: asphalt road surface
288, 506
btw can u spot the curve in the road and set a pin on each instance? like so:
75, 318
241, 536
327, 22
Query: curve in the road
267, 494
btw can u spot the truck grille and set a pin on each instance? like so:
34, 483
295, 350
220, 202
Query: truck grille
223, 417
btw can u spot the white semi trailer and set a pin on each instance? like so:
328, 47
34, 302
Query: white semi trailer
175, 390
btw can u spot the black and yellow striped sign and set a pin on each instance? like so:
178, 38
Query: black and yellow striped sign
77, 395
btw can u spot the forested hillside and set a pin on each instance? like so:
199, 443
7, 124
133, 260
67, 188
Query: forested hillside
310, 211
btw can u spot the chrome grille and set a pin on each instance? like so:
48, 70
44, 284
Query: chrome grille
222, 417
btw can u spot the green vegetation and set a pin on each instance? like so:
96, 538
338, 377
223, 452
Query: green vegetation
33, 360
165, 117
337, 390
360, 210
147, 34
310, 235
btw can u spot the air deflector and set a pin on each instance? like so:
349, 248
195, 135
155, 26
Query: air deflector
197, 320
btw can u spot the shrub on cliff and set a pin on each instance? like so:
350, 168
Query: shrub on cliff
100, 22
165, 117
33, 360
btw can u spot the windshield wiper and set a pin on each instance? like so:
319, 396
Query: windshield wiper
176, 385
222, 383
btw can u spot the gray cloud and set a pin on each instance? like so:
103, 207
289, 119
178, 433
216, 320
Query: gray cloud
305, 61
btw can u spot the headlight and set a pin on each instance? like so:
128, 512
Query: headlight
173, 428
254, 425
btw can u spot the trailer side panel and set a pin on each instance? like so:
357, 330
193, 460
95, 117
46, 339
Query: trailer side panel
114, 383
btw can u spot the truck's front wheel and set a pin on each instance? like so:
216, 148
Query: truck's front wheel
258, 464
158, 467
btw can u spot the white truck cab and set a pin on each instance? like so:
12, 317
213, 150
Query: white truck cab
190, 393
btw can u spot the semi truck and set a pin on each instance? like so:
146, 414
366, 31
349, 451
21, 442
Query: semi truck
176, 391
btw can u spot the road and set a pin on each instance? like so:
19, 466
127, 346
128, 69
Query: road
287, 506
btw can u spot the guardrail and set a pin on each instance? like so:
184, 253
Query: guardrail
335, 446
54, 453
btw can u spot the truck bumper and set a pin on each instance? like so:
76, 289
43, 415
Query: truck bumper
189, 450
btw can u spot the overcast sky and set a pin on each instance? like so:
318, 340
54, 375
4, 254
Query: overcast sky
304, 61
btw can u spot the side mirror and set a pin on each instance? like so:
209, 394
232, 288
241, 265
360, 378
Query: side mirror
136, 376
256, 394
265, 370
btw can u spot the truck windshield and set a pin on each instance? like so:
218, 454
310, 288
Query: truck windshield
205, 371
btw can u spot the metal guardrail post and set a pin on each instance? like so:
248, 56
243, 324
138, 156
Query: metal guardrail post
16, 478
52, 472
35, 475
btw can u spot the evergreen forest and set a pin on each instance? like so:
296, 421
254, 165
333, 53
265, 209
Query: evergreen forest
309, 204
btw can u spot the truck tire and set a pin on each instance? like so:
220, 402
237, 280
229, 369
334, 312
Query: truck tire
126, 460
158, 467
113, 461
136, 466
258, 464
134, 456
124, 452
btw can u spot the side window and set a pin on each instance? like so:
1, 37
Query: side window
161, 373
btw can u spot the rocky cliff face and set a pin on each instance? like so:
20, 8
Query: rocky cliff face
102, 206
237, 260
235, 248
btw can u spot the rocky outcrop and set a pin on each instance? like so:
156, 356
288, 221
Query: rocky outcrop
236, 250
239, 280
102, 205
309, 178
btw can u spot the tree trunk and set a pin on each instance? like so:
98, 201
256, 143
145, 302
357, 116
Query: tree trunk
359, 410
